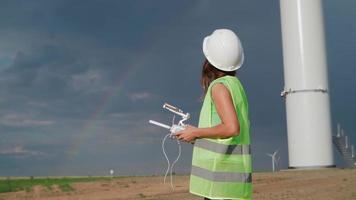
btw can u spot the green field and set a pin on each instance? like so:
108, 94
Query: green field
26, 184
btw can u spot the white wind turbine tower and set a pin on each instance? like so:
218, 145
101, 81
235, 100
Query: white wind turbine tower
274, 160
306, 85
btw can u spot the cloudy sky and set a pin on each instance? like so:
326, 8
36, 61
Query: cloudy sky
79, 80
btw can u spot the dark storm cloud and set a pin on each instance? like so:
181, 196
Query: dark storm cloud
341, 46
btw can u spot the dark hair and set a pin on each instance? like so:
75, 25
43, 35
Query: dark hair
209, 74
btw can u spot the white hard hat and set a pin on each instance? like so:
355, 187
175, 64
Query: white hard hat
223, 50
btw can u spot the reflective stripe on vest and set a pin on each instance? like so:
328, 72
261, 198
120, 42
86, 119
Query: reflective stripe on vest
221, 176
222, 148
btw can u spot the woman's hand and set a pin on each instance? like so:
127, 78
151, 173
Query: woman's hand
189, 134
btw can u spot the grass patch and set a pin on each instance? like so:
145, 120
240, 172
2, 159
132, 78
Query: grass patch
66, 187
23, 184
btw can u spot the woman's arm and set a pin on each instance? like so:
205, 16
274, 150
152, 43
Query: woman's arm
225, 108
229, 123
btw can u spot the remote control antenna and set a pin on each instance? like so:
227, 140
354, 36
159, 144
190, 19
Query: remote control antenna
176, 111
160, 124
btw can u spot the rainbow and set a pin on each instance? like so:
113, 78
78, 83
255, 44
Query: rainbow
89, 125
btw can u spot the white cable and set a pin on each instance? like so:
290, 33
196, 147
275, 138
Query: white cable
165, 155
179, 152
170, 167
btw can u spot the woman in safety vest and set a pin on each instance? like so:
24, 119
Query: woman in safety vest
221, 162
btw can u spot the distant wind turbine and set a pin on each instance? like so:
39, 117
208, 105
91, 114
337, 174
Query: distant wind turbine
274, 160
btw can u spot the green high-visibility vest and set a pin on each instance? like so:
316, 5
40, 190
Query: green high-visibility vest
222, 168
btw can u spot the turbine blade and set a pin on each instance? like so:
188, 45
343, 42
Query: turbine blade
275, 152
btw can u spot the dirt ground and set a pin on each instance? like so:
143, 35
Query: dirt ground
326, 184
